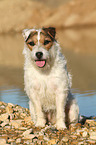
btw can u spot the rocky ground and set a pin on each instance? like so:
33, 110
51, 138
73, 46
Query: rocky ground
16, 128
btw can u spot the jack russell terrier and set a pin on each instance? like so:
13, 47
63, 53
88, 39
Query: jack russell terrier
47, 81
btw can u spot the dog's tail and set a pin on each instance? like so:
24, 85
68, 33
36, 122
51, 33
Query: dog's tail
82, 119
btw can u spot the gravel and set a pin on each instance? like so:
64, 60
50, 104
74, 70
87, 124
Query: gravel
17, 128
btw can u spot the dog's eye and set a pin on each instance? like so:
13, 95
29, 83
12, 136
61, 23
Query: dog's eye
31, 43
46, 42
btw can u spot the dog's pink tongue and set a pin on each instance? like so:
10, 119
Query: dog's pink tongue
40, 63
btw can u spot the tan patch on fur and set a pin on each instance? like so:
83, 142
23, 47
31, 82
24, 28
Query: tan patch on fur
33, 38
44, 37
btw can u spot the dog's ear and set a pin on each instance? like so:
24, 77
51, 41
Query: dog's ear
51, 31
26, 33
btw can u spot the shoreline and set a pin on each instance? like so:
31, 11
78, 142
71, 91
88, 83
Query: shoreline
58, 28
17, 128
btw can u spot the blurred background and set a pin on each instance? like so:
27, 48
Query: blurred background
75, 22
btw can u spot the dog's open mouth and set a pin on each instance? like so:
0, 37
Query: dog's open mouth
40, 63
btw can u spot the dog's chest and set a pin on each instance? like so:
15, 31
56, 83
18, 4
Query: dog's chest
46, 87
42, 86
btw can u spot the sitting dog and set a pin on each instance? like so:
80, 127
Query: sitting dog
47, 82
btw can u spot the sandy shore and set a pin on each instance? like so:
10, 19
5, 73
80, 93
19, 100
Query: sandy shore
17, 128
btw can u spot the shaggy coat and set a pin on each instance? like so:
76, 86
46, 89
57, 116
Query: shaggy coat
47, 81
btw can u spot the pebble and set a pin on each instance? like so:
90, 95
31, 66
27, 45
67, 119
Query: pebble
4, 117
1, 103
10, 140
22, 128
16, 127
92, 142
29, 136
84, 134
2, 141
23, 115
5, 123
81, 143
11, 105
27, 132
18, 140
16, 123
52, 142
65, 139
2, 107
9, 109
27, 119
92, 135
46, 138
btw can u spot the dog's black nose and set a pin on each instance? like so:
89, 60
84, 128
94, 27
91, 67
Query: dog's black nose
39, 55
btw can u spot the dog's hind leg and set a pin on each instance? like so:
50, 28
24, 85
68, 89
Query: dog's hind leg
73, 113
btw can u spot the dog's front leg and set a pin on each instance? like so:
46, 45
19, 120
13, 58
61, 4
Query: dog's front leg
40, 120
60, 110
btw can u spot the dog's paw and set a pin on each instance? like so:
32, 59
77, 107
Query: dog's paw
40, 123
60, 125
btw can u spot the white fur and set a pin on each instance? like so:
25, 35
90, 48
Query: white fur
48, 88
38, 38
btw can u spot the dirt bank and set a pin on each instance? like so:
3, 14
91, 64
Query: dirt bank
20, 14
76, 13
16, 15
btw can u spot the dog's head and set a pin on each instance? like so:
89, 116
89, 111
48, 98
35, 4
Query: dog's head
40, 43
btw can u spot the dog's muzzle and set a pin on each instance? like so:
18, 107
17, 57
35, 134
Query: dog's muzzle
39, 55
40, 62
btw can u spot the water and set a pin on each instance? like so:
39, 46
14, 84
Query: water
86, 100
82, 66
14, 95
